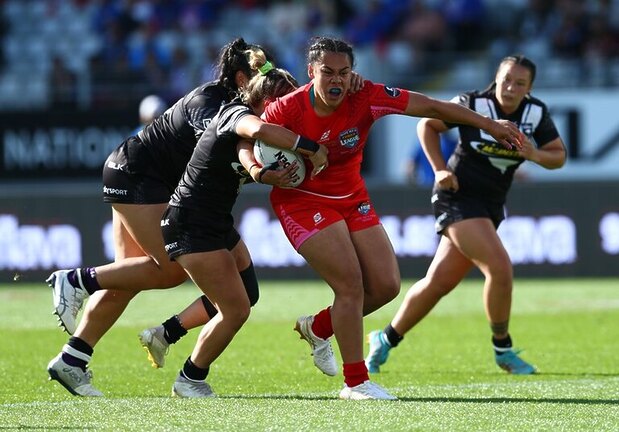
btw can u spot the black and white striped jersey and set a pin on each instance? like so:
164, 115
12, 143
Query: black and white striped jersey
485, 169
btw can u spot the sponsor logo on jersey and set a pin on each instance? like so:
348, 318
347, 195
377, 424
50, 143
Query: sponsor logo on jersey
112, 191
325, 136
527, 129
438, 224
165, 222
171, 246
498, 156
350, 138
115, 166
206, 122
318, 218
494, 149
364, 208
392, 91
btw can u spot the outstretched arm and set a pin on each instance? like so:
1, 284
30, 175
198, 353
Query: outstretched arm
504, 132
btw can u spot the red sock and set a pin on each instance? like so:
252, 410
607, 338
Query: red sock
322, 326
355, 373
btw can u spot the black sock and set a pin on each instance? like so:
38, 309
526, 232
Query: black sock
193, 372
173, 330
80, 345
392, 336
77, 353
501, 346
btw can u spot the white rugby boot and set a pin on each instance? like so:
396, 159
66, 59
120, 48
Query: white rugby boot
153, 341
324, 359
366, 390
68, 300
73, 378
186, 388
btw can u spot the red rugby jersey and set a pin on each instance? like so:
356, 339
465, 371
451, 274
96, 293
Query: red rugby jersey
344, 133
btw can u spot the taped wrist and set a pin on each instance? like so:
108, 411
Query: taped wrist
306, 144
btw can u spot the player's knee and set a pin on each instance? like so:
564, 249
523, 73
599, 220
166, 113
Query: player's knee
251, 284
244, 312
238, 315
393, 289
500, 276
389, 288
168, 274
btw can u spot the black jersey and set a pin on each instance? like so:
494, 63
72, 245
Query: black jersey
213, 177
171, 137
484, 168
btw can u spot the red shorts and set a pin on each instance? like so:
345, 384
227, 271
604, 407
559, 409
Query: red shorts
303, 214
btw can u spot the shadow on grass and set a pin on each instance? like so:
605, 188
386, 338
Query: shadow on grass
513, 400
580, 374
280, 397
536, 374
440, 399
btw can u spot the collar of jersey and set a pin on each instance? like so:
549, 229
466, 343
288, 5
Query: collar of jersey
312, 96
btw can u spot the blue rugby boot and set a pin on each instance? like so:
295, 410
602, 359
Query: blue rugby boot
379, 351
510, 361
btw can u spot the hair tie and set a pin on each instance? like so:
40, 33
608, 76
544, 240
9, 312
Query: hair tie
264, 69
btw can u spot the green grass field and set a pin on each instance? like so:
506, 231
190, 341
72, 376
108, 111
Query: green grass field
443, 372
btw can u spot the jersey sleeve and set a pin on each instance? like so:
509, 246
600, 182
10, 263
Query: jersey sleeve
201, 109
546, 131
385, 100
230, 116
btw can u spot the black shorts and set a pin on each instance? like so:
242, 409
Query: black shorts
188, 231
129, 176
450, 207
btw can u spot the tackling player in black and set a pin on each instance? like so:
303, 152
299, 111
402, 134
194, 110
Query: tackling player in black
198, 226
469, 193
138, 179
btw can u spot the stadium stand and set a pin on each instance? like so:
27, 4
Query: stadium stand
110, 53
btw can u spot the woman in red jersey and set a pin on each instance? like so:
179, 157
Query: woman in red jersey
330, 219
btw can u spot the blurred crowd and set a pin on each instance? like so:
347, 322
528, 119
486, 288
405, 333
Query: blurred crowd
113, 52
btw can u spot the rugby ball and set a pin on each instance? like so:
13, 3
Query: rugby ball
267, 155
